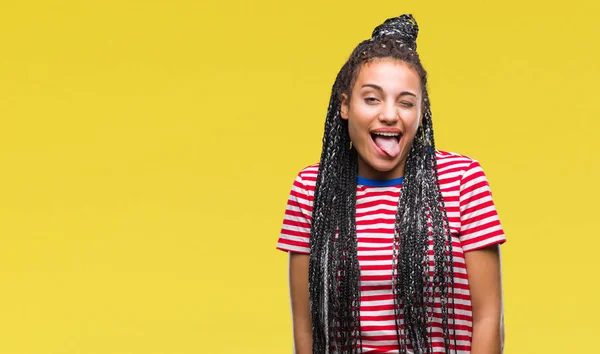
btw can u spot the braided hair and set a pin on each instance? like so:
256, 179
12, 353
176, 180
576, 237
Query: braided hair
421, 223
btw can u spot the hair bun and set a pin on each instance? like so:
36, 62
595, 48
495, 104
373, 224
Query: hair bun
403, 28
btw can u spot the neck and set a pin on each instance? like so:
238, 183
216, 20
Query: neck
367, 171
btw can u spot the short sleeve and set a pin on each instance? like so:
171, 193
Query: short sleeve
295, 231
479, 223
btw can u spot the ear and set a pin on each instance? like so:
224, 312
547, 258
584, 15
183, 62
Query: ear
345, 106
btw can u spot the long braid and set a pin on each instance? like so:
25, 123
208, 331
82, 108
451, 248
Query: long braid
421, 221
443, 248
333, 273
322, 261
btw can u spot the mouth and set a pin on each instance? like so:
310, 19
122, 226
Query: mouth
386, 135
387, 143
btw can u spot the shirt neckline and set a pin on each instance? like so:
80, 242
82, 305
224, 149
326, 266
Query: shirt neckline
368, 182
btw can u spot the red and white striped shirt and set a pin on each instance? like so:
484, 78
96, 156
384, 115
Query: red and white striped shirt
473, 222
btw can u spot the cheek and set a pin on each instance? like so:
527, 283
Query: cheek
352, 130
411, 125
358, 121
412, 122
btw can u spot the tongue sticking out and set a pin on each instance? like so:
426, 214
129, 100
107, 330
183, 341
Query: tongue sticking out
388, 144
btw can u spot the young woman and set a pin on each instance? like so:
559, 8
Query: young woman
394, 245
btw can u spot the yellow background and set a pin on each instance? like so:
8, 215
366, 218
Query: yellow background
147, 149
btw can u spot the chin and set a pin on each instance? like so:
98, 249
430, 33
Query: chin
379, 167
383, 166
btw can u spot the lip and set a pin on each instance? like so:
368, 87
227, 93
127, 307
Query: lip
387, 130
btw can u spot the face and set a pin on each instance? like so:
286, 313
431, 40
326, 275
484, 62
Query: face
384, 112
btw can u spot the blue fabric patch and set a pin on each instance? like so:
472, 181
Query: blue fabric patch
379, 182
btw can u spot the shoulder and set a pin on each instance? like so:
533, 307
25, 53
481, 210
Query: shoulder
306, 179
308, 175
453, 163
454, 159
309, 172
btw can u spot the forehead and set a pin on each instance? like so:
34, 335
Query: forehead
389, 74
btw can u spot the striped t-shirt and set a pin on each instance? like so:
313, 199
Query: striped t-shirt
473, 222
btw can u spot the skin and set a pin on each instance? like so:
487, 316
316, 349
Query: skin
301, 323
387, 94
485, 285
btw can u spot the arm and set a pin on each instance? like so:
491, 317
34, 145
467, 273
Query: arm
484, 273
301, 322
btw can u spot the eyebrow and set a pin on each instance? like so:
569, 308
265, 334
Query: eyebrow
378, 88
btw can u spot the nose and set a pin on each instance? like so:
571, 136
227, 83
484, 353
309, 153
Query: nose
389, 113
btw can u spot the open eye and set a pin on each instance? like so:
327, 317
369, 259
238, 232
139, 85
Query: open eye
370, 100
